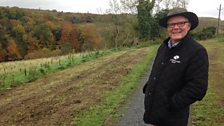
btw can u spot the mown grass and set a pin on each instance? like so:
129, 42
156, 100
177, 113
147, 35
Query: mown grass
210, 111
97, 114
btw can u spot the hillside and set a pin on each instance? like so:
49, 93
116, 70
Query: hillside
34, 33
30, 33
207, 22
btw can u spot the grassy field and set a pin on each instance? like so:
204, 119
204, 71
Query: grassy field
210, 111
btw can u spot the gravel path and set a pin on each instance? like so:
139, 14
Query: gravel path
133, 111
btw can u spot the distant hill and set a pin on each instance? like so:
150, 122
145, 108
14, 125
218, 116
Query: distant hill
207, 22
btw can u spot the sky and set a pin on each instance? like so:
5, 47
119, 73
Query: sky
203, 8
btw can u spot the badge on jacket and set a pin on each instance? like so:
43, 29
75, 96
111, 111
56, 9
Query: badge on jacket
175, 59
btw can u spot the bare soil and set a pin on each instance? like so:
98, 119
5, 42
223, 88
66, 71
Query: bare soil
57, 98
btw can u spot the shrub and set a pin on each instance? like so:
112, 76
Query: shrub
206, 33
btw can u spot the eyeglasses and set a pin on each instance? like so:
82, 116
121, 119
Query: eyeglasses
179, 24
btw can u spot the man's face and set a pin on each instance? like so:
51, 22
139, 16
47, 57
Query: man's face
178, 28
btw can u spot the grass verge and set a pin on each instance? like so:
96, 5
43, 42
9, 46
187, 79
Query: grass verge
210, 111
111, 101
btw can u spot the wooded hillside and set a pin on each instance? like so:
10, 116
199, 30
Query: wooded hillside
29, 33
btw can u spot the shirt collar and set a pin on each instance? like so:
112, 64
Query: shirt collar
170, 45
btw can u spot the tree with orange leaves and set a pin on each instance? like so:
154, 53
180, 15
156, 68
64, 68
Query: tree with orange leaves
90, 36
69, 35
13, 51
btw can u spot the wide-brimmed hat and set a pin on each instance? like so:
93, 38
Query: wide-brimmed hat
192, 17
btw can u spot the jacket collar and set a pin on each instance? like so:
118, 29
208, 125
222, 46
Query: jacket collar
182, 42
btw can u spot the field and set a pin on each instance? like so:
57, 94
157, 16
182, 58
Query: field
61, 98
19, 72
210, 111
89, 92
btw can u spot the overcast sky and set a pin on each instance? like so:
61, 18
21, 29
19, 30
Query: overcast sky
203, 8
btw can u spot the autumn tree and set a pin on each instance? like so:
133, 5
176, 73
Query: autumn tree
4, 35
32, 43
28, 23
3, 53
18, 32
13, 51
69, 35
44, 34
74, 38
90, 37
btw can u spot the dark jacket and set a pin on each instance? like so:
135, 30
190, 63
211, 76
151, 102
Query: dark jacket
178, 78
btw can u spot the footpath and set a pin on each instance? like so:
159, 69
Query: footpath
132, 111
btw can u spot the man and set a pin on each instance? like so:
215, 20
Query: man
179, 75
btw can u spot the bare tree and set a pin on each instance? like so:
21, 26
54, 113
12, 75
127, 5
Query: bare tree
115, 10
115, 7
168, 4
157, 6
129, 6
180, 3
123, 21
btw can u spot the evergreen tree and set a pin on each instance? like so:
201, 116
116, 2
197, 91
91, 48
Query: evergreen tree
145, 19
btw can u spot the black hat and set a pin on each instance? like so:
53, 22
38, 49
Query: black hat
192, 17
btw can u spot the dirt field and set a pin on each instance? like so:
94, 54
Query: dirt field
57, 98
